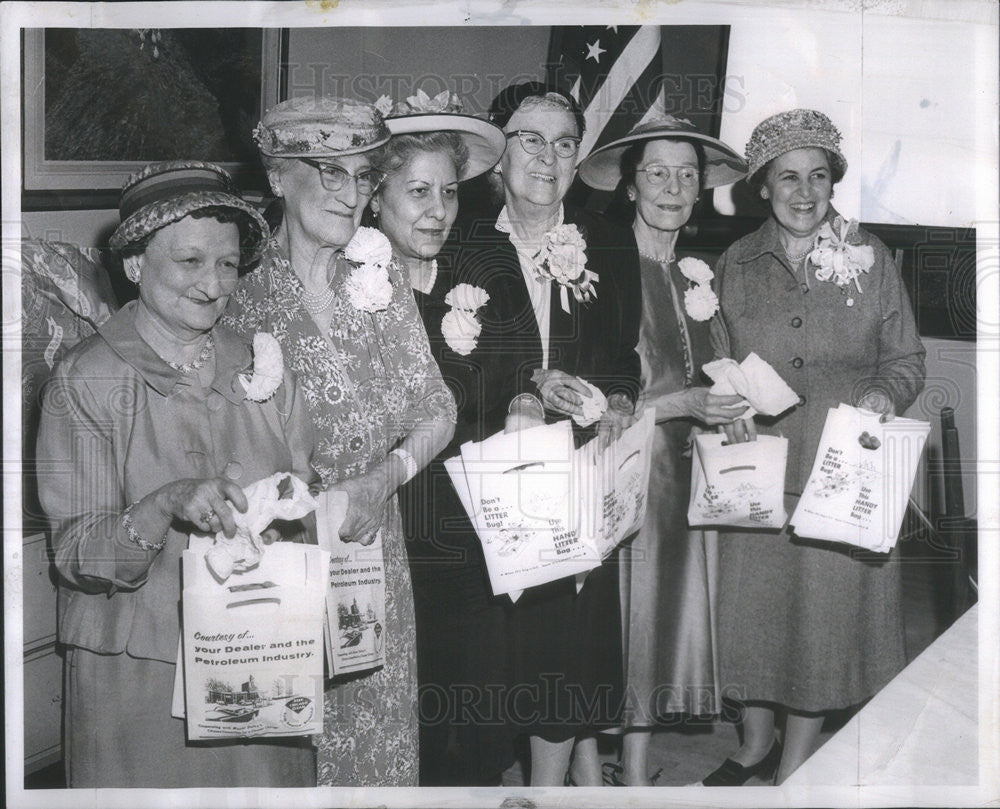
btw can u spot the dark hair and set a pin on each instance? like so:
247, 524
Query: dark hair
632, 157
508, 100
756, 180
249, 239
401, 149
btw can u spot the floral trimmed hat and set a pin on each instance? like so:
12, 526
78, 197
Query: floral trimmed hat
421, 114
723, 165
320, 126
794, 129
160, 194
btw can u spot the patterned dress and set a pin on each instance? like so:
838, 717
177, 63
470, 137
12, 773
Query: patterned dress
368, 382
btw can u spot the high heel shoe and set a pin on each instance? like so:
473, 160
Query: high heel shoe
613, 775
732, 774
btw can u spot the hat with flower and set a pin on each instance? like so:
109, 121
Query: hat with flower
320, 126
794, 129
723, 165
160, 194
421, 114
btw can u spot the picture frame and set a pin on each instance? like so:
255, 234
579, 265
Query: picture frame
82, 181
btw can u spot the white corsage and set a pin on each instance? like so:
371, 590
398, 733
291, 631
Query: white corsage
700, 301
460, 326
563, 259
268, 368
368, 286
837, 255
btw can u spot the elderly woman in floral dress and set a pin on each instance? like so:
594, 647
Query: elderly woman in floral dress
348, 326
807, 627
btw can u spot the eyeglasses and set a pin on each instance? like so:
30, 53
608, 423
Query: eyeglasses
533, 143
658, 175
334, 177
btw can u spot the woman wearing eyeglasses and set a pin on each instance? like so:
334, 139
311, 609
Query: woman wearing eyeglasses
377, 400
545, 327
668, 572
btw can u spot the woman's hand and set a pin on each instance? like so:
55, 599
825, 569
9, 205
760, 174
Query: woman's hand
710, 408
739, 431
205, 503
619, 416
878, 402
366, 505
560, 392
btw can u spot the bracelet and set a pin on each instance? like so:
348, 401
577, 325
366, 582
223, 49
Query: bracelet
408, 462
133, 535
526, 399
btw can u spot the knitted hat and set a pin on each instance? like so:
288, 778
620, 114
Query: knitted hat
795, 129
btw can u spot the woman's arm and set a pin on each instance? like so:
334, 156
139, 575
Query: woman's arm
901, 372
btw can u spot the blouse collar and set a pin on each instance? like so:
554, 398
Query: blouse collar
232, 355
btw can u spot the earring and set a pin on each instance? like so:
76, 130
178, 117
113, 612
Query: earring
631, 197
132, 271
496, 169
763, 193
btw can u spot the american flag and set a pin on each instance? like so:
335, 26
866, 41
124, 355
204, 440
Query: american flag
614, 71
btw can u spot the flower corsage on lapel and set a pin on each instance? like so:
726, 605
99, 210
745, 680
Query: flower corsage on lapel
839, 256
268, 368
700, 302
368, 286
563, 259
460, 326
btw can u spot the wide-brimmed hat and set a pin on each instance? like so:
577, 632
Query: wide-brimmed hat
160, 194
421, 114
320, 126
794, 129
723, 165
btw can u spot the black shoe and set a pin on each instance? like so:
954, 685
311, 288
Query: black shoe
731, 774
613, 775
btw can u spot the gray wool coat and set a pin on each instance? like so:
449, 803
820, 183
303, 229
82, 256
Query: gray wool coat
830, 345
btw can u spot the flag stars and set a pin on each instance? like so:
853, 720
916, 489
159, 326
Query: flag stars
594, 51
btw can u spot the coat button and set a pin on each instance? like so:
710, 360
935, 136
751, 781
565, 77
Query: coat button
796, 322
802, 400
797, 362
233, 470
804, 286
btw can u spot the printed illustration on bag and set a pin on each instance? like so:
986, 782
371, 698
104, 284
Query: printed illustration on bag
229, 704
352, 623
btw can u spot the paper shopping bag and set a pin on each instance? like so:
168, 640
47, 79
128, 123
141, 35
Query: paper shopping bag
741, 485
253, 646
861, 479
355, 601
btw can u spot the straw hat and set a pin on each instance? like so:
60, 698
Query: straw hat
794, 129
723, 165
320, 126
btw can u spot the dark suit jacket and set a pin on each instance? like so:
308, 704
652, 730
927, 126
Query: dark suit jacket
595, 341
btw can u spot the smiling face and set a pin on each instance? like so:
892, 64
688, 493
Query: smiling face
188, 272
667, 206
417, 205
798, 186
541, 179
324, 217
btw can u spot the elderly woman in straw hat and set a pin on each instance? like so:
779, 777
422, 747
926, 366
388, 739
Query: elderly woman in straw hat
460, 625
805, 627
342, 308
147, 435
668, 572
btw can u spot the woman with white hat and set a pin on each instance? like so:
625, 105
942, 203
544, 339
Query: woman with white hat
460, 625
668, 573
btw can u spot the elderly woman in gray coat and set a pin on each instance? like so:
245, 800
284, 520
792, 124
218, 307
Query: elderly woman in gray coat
807, 627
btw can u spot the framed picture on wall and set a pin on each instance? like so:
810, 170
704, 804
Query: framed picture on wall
100, 102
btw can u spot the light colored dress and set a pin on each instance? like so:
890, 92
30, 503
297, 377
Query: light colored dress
668, 571
119, 423
367, 383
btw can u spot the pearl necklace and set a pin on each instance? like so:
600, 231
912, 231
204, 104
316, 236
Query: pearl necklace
664, 260
198, 362
795, 258
316, 302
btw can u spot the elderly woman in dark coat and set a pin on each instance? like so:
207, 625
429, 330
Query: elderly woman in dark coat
807, 627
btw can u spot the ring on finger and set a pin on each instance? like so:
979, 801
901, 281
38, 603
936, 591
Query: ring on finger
207, 517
